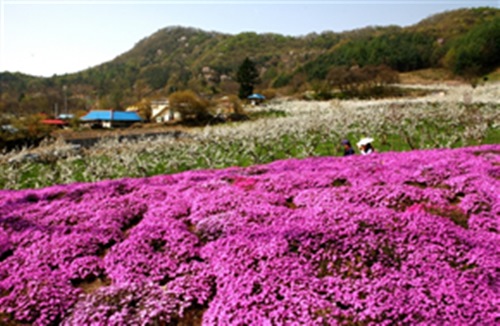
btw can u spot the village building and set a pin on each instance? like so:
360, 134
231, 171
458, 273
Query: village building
110, 119
161, 112
256, 99
55, 122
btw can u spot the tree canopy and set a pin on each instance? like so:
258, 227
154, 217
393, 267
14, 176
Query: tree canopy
247, 76
476, 52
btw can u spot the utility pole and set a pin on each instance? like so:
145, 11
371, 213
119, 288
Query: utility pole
56, 109
65, 88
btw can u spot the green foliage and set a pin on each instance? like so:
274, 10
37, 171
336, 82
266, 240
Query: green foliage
325, 40
156, 76
452, 24
247, 76
477, 52
402, 51
246, 41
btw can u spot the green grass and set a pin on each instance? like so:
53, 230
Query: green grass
266, 114
492, 136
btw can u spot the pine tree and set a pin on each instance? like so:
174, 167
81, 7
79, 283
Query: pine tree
247, 76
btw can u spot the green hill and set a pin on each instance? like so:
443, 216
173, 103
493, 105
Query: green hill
465, 42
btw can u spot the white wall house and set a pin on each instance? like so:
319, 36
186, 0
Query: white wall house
161, 111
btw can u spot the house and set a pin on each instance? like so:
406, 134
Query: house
158, 105
111, 118
133, 108
167, 114
161, 112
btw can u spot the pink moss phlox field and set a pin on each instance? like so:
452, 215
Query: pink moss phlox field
390, 238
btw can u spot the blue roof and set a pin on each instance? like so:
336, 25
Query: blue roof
117, 116
257, 96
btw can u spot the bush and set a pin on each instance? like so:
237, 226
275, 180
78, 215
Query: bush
189, 105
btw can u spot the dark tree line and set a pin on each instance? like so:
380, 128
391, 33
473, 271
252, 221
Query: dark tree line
476, 52
401, 51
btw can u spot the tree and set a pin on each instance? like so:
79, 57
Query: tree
247, 76
144, 110
477, 52
189, 105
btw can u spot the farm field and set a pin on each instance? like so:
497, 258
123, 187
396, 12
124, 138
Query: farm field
262, 223
390, 238
450, 117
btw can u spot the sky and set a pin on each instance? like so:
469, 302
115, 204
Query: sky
46, 38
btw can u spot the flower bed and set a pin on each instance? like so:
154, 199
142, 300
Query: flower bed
389, 238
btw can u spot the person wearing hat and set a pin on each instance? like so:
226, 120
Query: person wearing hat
365, 146
348, 150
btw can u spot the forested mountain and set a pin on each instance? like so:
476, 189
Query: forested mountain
465, 41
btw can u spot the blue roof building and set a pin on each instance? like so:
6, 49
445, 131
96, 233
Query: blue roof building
111, 118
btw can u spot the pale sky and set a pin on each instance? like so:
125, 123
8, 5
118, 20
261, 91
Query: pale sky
44, 38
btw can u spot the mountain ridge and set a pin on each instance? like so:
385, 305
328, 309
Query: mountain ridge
177, 57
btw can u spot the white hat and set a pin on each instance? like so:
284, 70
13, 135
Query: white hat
364, 141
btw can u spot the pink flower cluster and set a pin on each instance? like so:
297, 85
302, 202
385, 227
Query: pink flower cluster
391, 238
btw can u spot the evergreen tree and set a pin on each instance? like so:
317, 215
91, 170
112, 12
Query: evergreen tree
247, 76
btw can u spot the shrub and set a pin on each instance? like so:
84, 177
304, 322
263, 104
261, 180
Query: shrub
189, 105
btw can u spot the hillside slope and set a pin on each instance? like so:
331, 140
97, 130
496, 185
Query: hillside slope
179, 58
